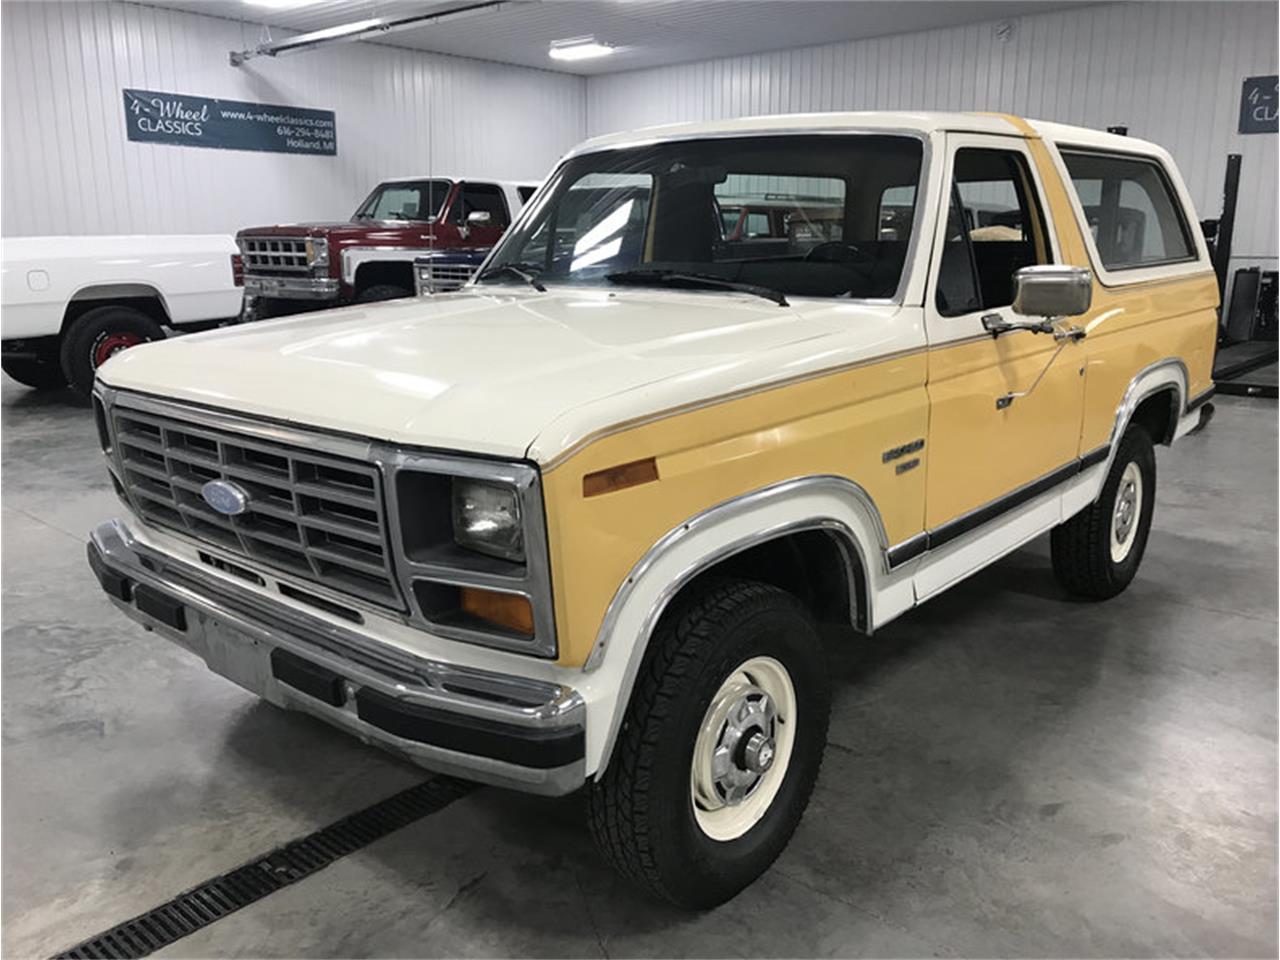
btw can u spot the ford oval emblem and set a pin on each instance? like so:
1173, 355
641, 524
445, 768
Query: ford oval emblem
226, 497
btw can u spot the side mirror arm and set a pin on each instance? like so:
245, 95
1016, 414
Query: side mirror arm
995, 325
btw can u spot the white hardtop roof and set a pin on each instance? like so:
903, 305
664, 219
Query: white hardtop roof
921, 122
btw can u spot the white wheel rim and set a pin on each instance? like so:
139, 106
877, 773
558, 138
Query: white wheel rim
743, 750
1126, 513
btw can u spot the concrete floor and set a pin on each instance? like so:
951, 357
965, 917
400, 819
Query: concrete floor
1010, 773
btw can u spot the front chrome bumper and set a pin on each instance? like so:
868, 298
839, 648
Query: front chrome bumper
512, 731
291, 288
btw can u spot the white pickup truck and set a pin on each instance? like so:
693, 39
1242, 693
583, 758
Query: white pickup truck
70, 303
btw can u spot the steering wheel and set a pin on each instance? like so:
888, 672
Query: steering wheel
837, 251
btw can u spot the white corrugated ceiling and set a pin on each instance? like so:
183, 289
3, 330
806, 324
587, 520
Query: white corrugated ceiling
647, 33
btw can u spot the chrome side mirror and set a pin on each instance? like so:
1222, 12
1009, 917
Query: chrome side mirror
1052, 290
478, 218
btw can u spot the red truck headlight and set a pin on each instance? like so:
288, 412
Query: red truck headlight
317, 252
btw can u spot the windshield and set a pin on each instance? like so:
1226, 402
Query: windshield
405, 200
815, 216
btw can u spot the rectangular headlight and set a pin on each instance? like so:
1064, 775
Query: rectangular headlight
317, 252
486, 518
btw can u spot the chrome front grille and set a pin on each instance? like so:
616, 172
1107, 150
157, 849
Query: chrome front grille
274, 254
319, 517
443, 277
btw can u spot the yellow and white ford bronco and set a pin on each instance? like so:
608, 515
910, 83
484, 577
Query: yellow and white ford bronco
573, 526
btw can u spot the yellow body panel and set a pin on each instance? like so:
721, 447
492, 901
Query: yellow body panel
840, 423
1122, 337
977, 452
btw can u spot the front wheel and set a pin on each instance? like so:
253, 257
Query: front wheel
720, 746
1097, 552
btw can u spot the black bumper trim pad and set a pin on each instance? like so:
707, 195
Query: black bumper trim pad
539, 749
160, 606
311, 678
116, 584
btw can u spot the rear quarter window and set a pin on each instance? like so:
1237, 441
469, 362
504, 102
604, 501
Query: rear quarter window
1131, 209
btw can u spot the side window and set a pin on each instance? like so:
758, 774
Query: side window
897, 207
482, 196
524, 193
1135, 219
994, 228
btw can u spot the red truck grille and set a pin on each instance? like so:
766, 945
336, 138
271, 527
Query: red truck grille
275, 254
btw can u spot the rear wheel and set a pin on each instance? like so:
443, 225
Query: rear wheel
720, 746
98, 336
39, 373
1097, 552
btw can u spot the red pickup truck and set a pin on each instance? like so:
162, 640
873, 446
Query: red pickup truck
311, 266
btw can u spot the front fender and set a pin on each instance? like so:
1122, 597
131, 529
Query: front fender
832, 504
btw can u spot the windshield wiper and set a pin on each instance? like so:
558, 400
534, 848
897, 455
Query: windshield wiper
515, 271
648, 275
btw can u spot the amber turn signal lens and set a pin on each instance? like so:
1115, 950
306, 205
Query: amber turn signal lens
620, 477
509, 610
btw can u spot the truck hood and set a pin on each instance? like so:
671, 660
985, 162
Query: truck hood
347, 230
509, 373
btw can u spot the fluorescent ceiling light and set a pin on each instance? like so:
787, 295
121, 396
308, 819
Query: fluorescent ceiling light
279, 4
578, 48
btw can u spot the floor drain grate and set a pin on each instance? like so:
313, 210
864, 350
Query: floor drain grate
216, 898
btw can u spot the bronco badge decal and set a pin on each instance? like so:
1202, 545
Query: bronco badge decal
895, 452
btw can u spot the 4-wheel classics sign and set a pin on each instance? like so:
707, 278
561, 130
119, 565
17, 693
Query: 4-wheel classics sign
175, 118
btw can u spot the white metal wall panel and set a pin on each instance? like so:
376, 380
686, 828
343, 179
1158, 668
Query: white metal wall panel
69, 168
1169, 71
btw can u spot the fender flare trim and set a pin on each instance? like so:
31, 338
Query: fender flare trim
854, 553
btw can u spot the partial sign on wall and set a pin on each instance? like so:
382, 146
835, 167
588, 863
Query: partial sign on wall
1260, 105
182, 120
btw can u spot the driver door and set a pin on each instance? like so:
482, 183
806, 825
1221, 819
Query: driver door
983, 446
484, 198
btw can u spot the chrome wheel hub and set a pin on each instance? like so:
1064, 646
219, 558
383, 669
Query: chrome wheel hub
1126, 503
758, 753
1125, 515
743, 748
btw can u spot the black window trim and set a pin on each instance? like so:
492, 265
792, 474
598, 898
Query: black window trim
1193, 255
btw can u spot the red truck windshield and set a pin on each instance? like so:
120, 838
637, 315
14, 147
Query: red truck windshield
405, 200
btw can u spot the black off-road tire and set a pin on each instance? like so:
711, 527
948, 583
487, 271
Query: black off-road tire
382, 291
1081, 547
87, 344
641, 811
39, 373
